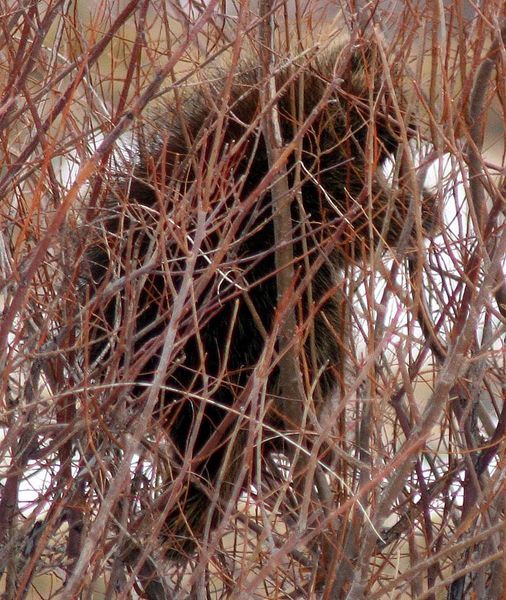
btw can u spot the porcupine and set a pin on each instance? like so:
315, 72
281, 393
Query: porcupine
204, 169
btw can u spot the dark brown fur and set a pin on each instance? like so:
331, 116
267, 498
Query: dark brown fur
219, 340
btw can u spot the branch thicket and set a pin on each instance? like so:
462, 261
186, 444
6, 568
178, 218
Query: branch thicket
389, 486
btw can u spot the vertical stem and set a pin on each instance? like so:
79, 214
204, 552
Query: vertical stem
291, 388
